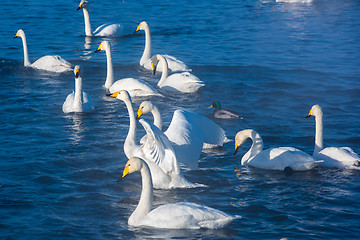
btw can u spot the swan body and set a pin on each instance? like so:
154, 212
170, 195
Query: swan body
181, 215
337, 157
78, 101
157, 151
52, 63
173, 63
223, 113
280, 158
188, 132
135, 87
177, 82
105, 30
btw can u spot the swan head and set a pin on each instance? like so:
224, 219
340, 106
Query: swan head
132, 165
20, 33
241, 137
122, 95
142, 26
145, 107
82, 4
216, 105
315, 111
104, 45
155, 61
77, 71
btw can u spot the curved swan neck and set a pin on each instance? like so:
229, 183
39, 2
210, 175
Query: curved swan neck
78, 98
130, 144
110, 70
256, 147
26, 54
157, 117
319, 145
88, 31
164, 74
146, 199
147, 50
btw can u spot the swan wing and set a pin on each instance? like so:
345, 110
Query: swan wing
158, 148
67, 106
87, 103
283, 157
135, 87
175, 64
109, 30
186, 215
183, 82
212, 133
53, 63
339, 157
187, 139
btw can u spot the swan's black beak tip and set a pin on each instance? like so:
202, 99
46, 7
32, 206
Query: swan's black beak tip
236, 150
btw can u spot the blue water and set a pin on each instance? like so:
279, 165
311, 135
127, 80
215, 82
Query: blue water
268, 61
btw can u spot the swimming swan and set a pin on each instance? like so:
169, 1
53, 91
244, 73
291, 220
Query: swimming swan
156, 151
181, 215
188, 132
281, 158
173, 63
53, 63
177, 82
78, 101
223, 113
135, 87
105, 30
338, 157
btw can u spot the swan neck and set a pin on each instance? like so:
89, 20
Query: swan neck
110, 70
26, 53
318, 134
157, 117
147, 50
78, 94
256, 146
88, 31
164, 74
146, 199
130, 145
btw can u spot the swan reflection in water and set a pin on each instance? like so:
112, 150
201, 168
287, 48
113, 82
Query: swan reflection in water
77, 127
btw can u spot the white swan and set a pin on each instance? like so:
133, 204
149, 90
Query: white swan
281, 158
78, 101
181, 215
188, 132
177, 82
53, 63
173, 63
105, 30
339, 157
135, 87
156, 151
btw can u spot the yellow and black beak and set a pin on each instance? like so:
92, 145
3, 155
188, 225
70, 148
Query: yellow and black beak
211, 106
236, 148
137, 29
139, 113
114, 95
77, 73
309, 115
80, 7
125, 172
98, 49
154, 68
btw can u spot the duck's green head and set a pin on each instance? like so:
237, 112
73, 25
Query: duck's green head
216, 105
